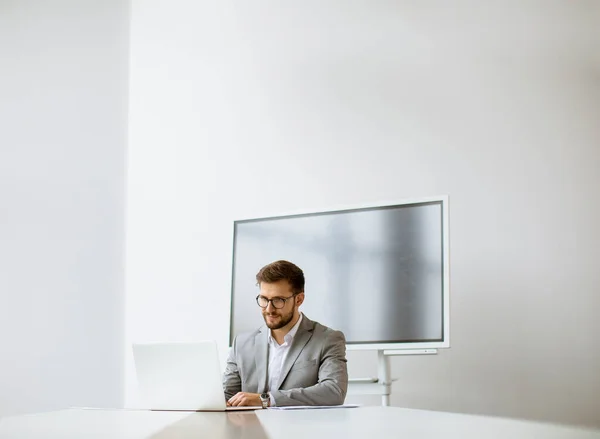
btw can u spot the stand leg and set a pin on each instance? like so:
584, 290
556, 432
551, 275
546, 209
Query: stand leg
384, 374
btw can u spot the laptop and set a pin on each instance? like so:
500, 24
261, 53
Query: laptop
183, 376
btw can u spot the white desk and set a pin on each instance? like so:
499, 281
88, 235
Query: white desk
395, 422
365, 422
132, 424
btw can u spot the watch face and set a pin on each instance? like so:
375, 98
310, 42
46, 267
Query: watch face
264, 399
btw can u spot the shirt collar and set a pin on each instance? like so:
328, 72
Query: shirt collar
290, 335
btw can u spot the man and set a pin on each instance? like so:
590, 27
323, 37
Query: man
291, 360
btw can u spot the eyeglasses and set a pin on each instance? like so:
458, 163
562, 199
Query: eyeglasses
277, 302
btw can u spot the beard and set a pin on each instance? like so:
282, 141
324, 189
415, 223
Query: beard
280, 319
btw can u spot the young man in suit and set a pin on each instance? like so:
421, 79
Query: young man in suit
291, 360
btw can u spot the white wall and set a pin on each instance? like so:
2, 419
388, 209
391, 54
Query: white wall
63, 94
252, 108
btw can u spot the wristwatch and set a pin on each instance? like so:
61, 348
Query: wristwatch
265, 399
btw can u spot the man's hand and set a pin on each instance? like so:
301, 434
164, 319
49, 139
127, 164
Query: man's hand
244, 399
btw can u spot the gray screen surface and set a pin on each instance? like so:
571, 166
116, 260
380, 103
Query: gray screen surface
376, 274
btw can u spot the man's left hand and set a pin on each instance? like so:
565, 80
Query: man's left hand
244, 399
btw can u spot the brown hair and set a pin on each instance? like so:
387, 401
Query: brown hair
282, 270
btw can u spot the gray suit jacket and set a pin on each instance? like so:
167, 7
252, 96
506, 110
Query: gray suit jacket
314, 371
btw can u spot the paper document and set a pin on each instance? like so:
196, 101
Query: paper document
313, 407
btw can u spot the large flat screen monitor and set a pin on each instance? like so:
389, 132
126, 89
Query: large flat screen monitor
377, 273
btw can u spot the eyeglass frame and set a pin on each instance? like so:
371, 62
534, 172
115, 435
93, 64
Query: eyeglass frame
270, 301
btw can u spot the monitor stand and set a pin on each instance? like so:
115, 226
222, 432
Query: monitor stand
382, 384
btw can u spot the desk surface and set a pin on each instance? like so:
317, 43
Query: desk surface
132, 424
361, 422
382, 422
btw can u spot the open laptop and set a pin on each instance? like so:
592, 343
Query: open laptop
181, 376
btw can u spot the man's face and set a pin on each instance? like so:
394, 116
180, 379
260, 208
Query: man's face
278, 318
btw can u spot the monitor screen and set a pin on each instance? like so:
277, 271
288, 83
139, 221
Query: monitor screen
379, 274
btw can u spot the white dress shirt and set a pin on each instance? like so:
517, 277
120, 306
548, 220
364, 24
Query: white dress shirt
277, 354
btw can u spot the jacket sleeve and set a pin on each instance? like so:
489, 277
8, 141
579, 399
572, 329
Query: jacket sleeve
232, 382
333, 378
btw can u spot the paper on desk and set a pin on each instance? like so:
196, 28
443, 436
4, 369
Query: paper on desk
311, 407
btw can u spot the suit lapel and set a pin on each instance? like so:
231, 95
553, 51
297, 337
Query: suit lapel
304, 334
261, 358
